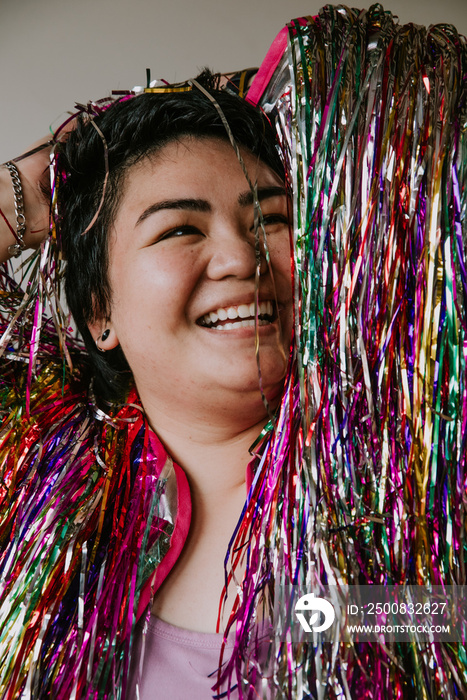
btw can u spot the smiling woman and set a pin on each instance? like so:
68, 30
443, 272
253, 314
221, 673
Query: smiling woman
270, 403
182, 248
178, 276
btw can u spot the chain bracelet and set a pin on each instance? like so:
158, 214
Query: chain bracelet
16, 248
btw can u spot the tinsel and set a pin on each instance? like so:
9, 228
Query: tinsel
363, 480
88, 508
359, 479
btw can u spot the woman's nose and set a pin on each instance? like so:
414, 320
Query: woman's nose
236, 256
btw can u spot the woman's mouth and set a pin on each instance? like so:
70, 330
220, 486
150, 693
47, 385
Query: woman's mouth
242, 316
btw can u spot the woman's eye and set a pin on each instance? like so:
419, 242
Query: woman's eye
276, 219
272, 219
180, 231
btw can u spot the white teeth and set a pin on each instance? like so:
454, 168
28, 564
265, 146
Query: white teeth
243, 311
250, 323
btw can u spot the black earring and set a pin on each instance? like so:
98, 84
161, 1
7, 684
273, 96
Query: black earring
105, 334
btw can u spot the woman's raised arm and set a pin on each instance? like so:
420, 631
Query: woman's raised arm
34, 179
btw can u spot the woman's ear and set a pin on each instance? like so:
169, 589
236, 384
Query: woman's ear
104, 334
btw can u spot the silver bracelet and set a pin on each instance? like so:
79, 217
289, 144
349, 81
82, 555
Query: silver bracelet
15, 249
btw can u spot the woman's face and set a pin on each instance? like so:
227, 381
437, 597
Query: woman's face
182, 274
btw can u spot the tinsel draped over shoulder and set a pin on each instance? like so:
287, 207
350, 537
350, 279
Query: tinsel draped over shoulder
89, 508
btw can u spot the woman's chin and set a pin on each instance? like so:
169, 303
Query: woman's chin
270, 389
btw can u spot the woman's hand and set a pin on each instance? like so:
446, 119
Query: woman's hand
35, 181
34, 173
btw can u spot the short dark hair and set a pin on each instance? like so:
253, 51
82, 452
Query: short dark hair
133, 128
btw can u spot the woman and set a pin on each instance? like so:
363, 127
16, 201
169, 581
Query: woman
180, 248
164, 279
359, 476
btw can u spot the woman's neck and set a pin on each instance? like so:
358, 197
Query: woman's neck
214, 456
209, 441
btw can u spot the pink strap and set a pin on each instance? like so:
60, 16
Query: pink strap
179, 535
182, 526
270, 63
267, 68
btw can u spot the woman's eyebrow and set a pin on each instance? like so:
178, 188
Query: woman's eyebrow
246, 198
184, 204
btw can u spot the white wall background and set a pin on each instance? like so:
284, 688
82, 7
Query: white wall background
56, 52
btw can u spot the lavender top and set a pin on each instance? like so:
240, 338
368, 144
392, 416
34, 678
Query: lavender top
178, 663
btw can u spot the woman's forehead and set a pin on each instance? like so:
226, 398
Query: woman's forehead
193, 162
201, 148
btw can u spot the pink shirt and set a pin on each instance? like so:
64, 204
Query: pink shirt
178, 663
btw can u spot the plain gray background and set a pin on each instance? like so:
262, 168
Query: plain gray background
57, 52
